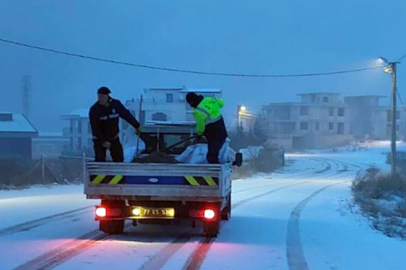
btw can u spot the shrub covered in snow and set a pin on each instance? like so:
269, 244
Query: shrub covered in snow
382, 198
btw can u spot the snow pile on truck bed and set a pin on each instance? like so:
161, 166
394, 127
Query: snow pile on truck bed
130, 142
196, 154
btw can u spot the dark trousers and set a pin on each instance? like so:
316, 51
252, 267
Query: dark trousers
213, 152
116, 151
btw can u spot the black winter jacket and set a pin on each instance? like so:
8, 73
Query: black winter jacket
105, 120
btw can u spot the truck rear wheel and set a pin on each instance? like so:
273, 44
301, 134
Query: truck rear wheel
211, 228
226, 212
112, 226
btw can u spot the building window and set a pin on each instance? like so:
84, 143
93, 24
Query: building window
331, 111
304, 125
286, 128
340, 128
317, 126
304, 110
325, 99
313, 99
79, 127
169, 98
340, 111
282, 113
71, 126
159, 117
79, 144
331, 126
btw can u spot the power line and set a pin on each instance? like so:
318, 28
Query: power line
184, 70
401, 58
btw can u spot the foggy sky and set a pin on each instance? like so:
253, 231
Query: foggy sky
264, 37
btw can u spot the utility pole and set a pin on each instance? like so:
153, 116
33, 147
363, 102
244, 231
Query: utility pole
139, 134
26, 95
390, 67
394, 114
238, 118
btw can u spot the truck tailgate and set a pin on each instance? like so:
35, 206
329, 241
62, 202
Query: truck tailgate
151, 181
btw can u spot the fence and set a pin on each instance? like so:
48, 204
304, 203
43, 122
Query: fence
22, 172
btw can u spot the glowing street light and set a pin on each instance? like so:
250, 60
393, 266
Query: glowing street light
241, 109
388, 69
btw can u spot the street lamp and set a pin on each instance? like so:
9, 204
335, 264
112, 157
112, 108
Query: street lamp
241, 109
390, 68
383, 60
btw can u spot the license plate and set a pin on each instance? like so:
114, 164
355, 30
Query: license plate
147, 212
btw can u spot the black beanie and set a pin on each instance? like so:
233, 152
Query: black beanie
191, 97
194, 99
103, 90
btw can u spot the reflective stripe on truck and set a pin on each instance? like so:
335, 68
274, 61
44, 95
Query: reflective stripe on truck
155, 180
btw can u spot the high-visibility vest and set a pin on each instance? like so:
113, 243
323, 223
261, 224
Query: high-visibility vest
207, 112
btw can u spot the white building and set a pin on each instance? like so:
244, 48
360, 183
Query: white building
318, 120
78, 131
16, 135
370, 120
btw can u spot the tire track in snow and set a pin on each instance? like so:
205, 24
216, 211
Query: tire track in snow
294, 249
59, 255
163, 256
327, 168
279, 176
26, 226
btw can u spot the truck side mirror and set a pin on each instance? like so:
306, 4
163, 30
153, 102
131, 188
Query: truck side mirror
238, 160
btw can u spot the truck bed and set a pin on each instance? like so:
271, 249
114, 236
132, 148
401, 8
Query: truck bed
157, 181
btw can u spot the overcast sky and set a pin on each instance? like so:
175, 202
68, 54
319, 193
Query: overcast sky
264, 37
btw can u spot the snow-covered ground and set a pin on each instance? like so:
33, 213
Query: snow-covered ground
296, 218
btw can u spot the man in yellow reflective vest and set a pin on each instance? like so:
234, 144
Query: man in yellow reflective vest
209, 122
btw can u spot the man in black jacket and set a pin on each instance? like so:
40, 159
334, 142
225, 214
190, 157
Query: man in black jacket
104, 119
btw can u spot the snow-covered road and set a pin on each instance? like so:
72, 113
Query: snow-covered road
296, 218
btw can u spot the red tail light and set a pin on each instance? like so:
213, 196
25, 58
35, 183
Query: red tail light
209, 214
101, 212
